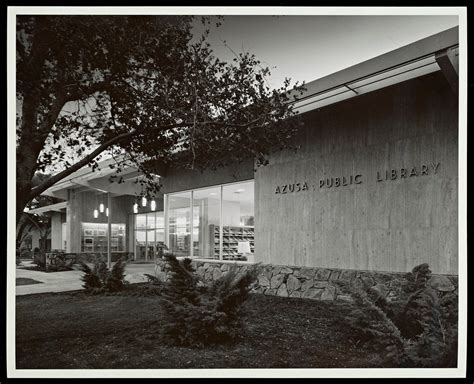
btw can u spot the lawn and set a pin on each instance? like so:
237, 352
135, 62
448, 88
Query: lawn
26, 281
74, 330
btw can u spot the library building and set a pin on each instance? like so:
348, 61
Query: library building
371, 193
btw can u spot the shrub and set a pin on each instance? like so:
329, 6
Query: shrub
101, 279
197, 315
423, 333
25, 253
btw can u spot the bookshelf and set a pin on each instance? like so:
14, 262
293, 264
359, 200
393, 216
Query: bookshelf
230, 239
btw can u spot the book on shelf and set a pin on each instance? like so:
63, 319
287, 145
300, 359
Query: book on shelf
231, 236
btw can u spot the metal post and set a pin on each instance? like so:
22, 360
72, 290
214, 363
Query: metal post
191, 237
221, 226
165, 209
109, 231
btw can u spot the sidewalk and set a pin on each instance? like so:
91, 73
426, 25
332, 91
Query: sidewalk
71, 280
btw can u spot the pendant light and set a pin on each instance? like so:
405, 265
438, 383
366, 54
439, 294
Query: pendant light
96, 212
153, 205
135, 208
143, 201
107, 211
101, 208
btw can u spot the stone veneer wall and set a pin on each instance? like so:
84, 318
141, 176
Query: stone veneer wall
310, 283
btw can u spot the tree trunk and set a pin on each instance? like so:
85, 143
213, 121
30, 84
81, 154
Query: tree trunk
22, 199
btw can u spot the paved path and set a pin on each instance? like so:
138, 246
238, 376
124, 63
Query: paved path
71, 280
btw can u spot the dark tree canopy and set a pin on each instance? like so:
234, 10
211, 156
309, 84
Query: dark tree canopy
138, 87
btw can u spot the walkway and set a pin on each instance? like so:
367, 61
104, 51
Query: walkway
71, 280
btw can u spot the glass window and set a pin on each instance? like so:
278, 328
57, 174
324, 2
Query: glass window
140, 236
236, 242
179, 219
238, 221
149, 234
206, 222
94, 237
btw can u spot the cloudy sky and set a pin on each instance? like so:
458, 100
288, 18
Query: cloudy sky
309, 47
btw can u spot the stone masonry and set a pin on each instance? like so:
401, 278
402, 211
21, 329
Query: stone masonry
310, 283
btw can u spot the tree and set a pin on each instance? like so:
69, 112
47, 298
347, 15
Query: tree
28, 221
142, 88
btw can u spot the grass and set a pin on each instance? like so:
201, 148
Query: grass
26, 281
75, 330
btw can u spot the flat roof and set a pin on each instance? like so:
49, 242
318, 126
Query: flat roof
390, 60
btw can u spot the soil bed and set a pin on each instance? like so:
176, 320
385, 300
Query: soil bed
120, 331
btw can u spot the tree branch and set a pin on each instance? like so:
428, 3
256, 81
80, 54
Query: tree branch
35, 191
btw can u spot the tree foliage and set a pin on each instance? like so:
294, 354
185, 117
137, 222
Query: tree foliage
142, 89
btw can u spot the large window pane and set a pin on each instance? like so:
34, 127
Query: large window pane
140, 236
206, 221
94, 237
179, 217
238, 221
160, 229
151, 245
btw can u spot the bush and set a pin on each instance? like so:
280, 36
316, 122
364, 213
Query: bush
25, 253
101, 279
196, 315
422, 332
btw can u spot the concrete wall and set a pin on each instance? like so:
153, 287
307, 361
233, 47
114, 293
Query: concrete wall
388, 225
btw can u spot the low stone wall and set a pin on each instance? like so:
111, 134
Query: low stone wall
311, 283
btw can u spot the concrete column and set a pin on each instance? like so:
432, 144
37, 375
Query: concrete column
73, 219
56, 231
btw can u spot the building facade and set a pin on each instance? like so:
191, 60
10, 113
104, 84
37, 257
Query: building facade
373, 186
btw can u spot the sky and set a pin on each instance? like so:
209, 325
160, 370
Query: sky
306, 48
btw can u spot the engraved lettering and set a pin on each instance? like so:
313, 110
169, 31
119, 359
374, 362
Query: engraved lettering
337, 182
284, 189
305, 186
357, 179
327, 183
424, 170
298, 187
378, 176
435, 167
413, 172
403, 173
394, 174
344, 182
277, 190
321, 183
291, 187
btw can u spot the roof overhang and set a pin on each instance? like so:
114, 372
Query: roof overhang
49, 208
417, 59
